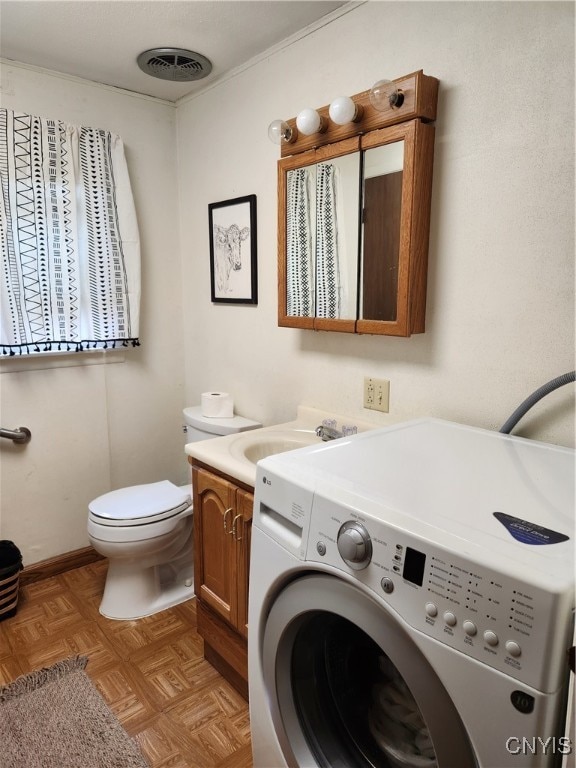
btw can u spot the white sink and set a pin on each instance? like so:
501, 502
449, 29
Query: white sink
260, 444
236, 455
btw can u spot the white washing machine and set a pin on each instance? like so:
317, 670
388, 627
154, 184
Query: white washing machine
412, 601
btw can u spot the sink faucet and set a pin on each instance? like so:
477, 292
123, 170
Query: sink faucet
327, 430
328, 433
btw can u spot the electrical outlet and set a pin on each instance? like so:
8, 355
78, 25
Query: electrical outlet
368, 393
377, 394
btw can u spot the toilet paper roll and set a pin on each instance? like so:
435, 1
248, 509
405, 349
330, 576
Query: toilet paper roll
217, 405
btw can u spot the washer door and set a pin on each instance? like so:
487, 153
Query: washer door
349, 688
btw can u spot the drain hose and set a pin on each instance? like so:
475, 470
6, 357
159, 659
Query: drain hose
532, 399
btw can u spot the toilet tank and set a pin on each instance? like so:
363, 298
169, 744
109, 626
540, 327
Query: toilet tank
197, 427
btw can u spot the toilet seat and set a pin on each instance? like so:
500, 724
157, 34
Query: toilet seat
139, 504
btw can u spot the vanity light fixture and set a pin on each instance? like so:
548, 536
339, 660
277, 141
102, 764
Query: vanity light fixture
309, 122
385, 94
279, 132
387, 103
345, 110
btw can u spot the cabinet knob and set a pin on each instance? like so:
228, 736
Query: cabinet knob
226, 513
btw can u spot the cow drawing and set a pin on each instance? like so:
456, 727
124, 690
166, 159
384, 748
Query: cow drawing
227, 253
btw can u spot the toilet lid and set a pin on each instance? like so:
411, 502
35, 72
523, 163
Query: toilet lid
140, 504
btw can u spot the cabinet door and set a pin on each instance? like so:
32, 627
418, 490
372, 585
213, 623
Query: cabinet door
214, 546
244, 503
396, 229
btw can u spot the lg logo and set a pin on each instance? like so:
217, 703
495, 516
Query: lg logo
266, 481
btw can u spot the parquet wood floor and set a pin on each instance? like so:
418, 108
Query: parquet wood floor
151, 672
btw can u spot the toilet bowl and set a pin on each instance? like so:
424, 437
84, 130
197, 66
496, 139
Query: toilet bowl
146, 532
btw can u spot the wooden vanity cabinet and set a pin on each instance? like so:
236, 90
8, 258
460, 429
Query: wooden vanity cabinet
222, 532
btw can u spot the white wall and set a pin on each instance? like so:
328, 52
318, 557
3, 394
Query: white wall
500, 319
99, 427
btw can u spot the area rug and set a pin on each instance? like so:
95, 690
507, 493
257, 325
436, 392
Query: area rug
56, 718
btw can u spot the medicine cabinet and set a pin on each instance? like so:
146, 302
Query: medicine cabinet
354, 217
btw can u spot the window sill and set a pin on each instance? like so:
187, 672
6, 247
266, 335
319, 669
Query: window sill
45, 360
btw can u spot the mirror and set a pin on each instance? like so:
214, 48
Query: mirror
353, 223
381, 211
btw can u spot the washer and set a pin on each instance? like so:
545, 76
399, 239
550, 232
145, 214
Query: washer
412, 601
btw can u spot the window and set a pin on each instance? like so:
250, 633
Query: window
70, 250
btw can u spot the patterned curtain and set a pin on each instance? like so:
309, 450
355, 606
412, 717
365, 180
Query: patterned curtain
328, 286
299, 266
70, 250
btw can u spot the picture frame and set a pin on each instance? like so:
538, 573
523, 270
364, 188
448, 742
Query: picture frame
233, 251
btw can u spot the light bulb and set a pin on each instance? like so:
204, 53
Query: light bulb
384, 94
309, 122
279, 132
343, 110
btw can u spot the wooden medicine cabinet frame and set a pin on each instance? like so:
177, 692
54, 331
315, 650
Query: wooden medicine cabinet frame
409, 123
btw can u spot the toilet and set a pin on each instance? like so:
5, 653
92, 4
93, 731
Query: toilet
146, 532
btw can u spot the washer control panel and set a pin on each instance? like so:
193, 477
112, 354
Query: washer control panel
512, 626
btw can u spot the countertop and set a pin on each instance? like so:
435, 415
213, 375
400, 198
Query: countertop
218, 452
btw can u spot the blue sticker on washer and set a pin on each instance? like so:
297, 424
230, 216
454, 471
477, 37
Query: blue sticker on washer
529, 533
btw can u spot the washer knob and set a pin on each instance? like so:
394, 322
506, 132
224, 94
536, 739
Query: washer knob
470, 628
513, 648
491, 638
387, 585
354, 545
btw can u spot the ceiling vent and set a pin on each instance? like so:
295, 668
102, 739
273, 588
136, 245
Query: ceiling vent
175, 64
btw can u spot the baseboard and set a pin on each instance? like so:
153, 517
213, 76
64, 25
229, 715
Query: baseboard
59, 564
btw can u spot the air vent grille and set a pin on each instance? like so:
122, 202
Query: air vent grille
175, 64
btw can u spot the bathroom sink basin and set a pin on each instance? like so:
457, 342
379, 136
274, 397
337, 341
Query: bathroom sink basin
254, 447
237, 454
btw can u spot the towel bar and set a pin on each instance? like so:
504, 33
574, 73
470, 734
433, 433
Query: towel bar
20, 435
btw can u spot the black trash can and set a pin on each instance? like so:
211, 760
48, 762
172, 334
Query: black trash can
10, 567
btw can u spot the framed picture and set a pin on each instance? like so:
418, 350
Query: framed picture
233, 257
